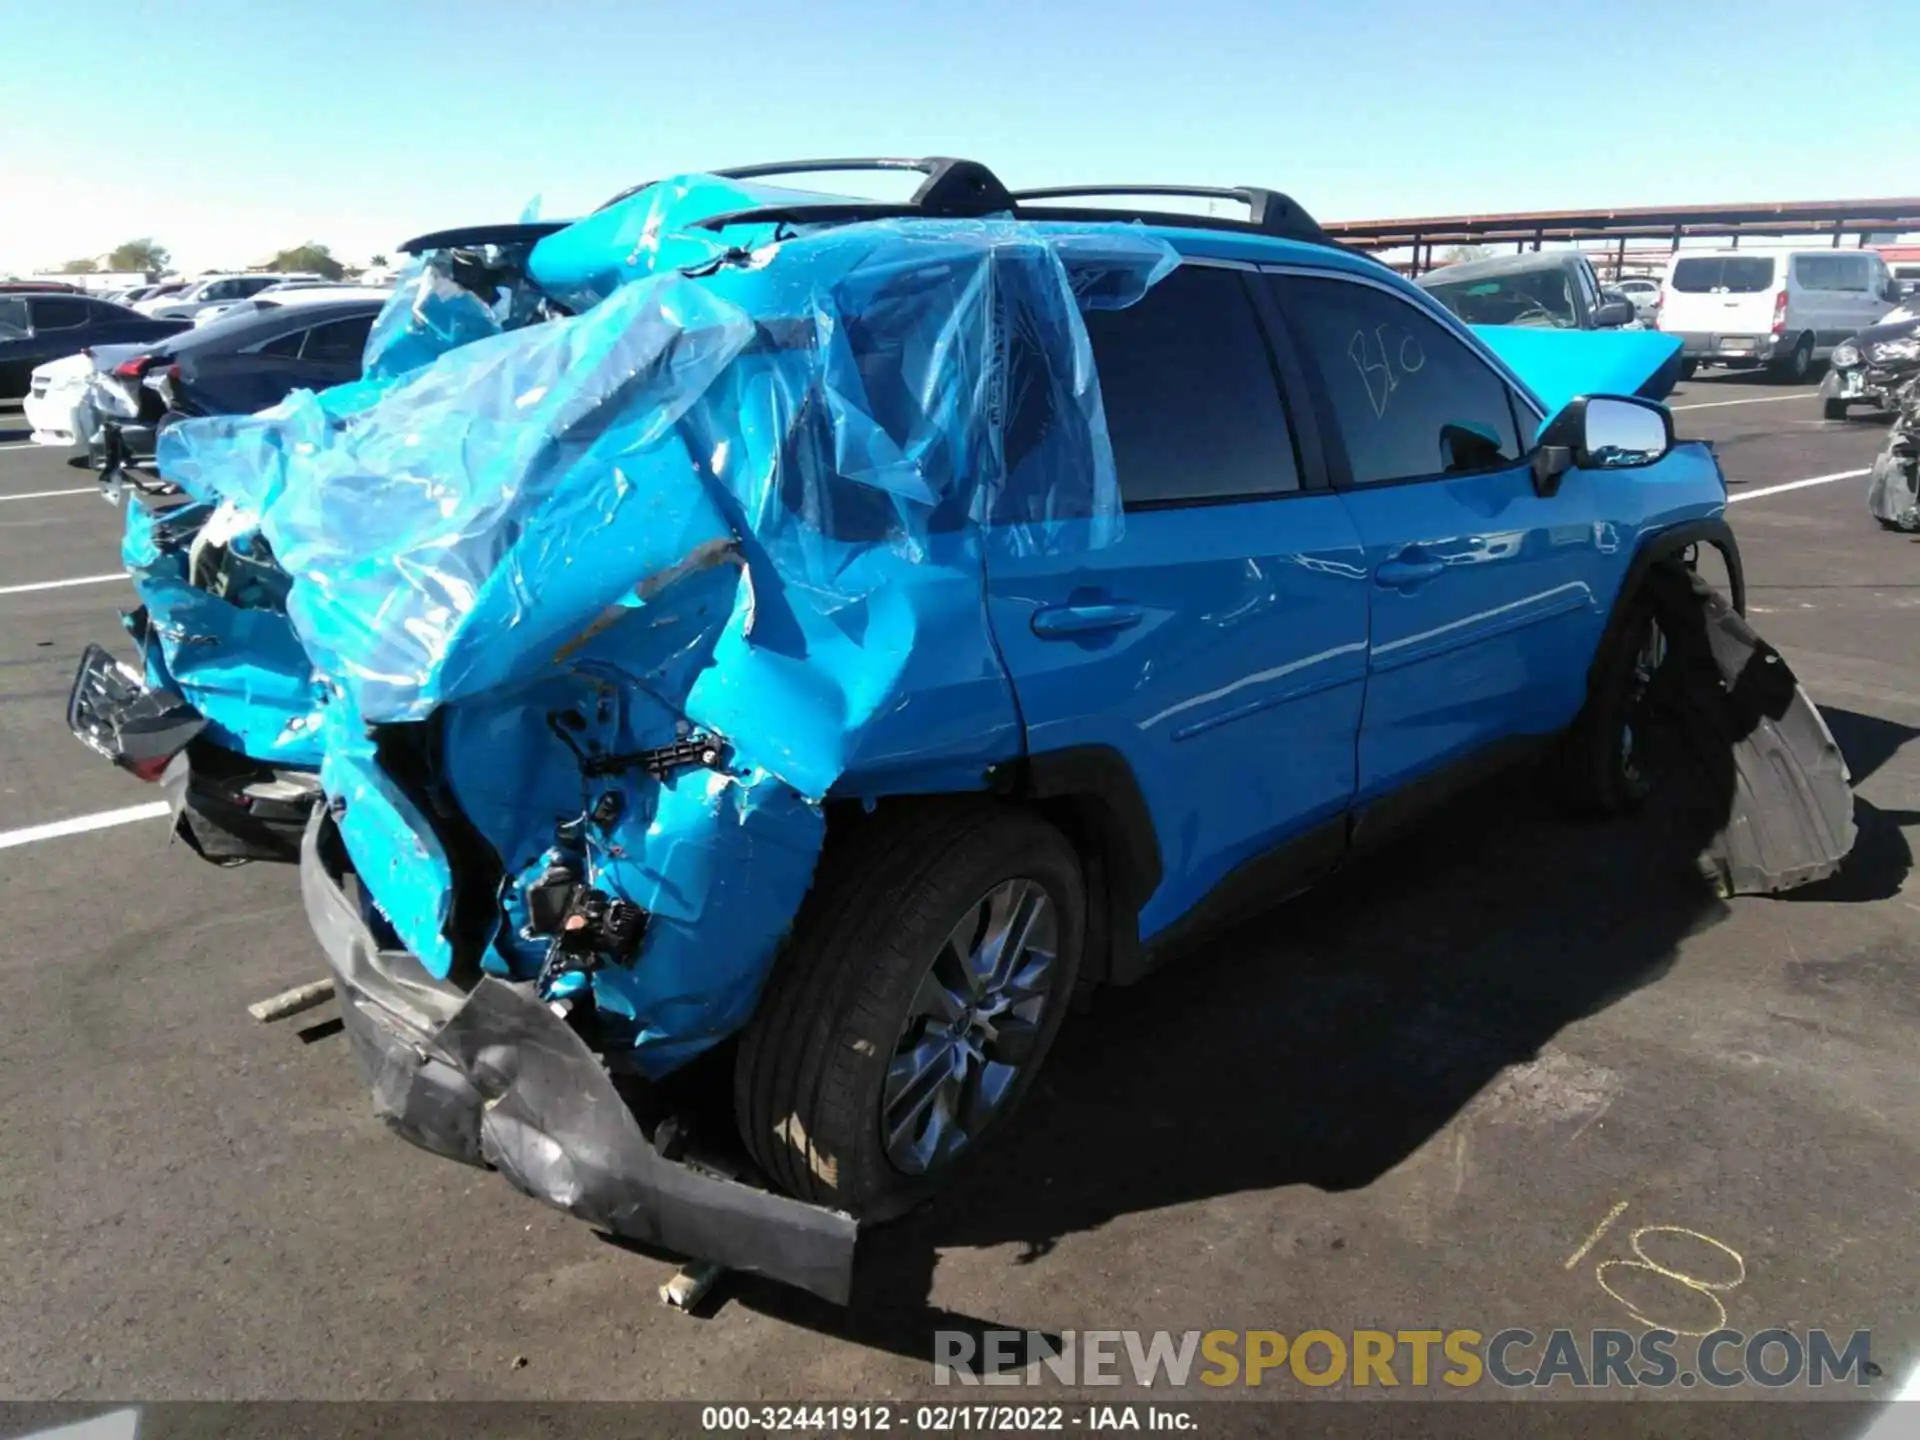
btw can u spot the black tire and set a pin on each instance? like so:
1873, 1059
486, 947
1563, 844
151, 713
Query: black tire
1798, 364
1597, 773
1689, 369
812, 1069
1834, 409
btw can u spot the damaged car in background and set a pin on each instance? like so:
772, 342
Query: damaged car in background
823, 634
220, 708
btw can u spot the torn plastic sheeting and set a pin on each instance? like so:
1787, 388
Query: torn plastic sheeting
414, 517
649, 233
473, 495
428, 314
241, 668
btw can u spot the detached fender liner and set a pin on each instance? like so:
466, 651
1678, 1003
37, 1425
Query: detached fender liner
1771, 784
494, 1078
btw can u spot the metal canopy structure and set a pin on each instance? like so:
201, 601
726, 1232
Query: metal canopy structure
1671, 223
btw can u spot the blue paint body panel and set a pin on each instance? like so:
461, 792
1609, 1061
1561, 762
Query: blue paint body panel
1560, 365
771, 508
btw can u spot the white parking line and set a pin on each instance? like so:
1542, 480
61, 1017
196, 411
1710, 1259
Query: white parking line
61, 584
1756, 400
26, 445
49, 494
80, 824
1798, 485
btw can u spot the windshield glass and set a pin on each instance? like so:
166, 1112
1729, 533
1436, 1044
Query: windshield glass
1735, 274
1532, 297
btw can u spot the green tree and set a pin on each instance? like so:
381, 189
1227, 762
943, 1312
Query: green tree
79, 267
378, 262
143, 255
315, 258
1459, 254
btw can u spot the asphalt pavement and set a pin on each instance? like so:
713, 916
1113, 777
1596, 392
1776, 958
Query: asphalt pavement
1403, 1101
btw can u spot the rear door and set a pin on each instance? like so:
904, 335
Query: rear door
1220, 645
1712, 295
1487, 598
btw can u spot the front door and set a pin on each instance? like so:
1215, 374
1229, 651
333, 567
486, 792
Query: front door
1220, 645
1487, 598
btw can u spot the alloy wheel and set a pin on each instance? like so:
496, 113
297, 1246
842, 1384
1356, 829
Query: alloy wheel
976, 1020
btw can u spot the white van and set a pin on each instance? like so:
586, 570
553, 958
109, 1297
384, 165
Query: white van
1784, 309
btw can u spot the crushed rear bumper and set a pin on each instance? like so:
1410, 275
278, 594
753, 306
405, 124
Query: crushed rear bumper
226, 807
495, 1078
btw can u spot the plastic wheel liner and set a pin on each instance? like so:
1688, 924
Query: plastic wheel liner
607, 606
1759, 787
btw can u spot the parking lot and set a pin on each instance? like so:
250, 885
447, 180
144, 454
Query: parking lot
1405, 1101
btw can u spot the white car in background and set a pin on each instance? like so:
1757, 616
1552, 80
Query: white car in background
57, 404
211, 290
1644, 293
1783, 309
298, 292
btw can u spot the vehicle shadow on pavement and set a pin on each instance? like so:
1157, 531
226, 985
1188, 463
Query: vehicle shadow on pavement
1325, 1042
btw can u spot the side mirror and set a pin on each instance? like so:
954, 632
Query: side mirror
1600, 432
1615, 310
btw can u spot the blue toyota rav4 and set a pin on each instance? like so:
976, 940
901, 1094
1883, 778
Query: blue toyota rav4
830, 632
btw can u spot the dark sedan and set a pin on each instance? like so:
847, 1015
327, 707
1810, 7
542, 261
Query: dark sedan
39, 326
234, 366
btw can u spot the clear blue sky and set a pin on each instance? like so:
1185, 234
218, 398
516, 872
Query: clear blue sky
228, 129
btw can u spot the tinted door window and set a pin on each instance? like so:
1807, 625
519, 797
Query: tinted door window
252, 284
1410, 398
287, 346
1189, 392
338, 342
59, 314
13, 319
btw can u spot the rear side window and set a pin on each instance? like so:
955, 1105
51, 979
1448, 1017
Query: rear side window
338, 341
1411, 399
59, 314
13, 318
1734, 274
242, 288
1189, 392
287, 346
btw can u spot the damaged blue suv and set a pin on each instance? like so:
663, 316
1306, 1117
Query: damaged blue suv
829, 633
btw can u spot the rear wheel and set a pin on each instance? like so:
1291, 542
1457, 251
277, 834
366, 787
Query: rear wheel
1834, 409
1689, 368
1798, 363
929, 971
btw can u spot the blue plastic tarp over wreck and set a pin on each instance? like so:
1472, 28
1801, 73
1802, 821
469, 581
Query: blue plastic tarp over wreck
705, 507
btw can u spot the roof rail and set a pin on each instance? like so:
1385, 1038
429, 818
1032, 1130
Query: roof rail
1268, 211
966, 189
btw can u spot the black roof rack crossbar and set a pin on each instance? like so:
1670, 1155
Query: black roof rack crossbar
1268, 211
953, 188
959, 189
